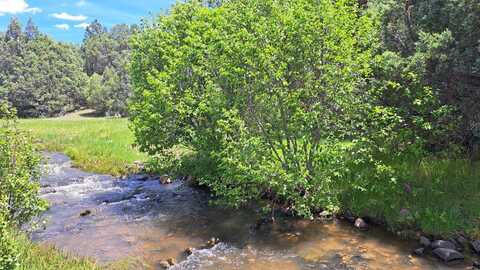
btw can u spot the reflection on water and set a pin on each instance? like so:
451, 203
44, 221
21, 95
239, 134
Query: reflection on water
143, 219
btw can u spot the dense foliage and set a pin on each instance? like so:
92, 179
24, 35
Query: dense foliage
439, 42
311, 105
265, 93
106, 55
42, 78
38, 76
19, 175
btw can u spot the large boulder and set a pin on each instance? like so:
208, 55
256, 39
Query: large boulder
425, 242
443, 244
448, 255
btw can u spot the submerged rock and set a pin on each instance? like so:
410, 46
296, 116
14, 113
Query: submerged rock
361, 224
448, 255
141, 177
425, 242
443, 244
212, 242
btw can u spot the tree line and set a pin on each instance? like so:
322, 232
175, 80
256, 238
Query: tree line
42, 77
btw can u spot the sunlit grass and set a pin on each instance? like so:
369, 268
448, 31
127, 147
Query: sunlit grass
443, 198
100, 145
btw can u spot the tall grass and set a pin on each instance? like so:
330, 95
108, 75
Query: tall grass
435, 196
98, 145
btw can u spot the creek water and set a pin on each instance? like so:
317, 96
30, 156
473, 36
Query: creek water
142, 219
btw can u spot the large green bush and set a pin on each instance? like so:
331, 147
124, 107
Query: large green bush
270, 96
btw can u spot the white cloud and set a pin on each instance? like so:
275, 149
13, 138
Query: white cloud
16, 6
81, 3
63, 26
69, 17
82, 25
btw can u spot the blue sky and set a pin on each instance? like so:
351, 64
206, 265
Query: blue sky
65, 20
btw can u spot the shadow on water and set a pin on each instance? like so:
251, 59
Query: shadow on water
143, 219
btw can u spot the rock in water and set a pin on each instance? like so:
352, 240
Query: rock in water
419, 251
165, 180
85, 213
443, 244
448, 255
189, 251
425, 242
361, 224
164, 265
171, 261
476, 246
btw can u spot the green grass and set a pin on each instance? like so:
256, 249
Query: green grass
100, 145
36, 257
444, 198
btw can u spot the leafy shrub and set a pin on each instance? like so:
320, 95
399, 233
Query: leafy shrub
19, 186
277, 100
258, 90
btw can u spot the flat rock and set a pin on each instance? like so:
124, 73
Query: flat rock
361, 224
443, 244
448, 255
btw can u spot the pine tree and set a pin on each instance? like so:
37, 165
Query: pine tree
14, 30
31, 30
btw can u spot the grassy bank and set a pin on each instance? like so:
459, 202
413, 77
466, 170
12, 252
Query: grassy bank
440, 197
36, 257
98, 145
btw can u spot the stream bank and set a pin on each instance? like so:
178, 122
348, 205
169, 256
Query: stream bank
110, 219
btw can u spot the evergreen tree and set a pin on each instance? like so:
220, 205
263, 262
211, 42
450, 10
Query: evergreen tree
31, 30
14, 30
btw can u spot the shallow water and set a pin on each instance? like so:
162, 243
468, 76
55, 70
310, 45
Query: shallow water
142, 219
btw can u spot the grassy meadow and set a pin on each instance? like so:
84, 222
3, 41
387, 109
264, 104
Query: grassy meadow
101, 145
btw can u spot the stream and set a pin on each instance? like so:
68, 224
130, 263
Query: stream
143, 219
